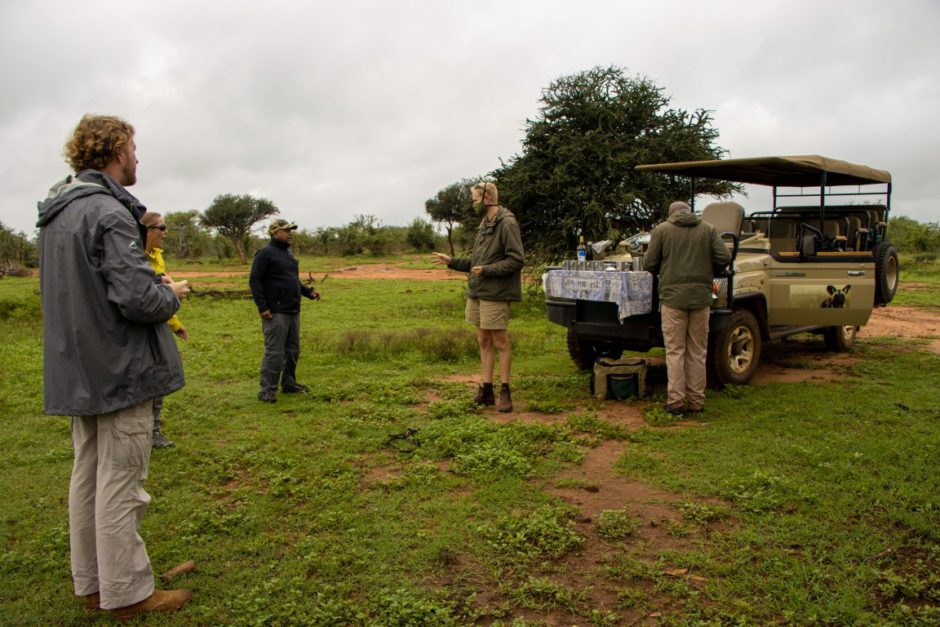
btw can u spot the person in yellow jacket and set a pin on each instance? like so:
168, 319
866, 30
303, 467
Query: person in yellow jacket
156, 233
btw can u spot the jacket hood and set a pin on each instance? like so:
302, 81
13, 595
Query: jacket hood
63, 193
502, 213
685, 218
85, 183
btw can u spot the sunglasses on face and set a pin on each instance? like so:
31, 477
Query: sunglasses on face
159, 227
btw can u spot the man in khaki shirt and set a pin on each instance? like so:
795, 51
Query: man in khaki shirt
494, 280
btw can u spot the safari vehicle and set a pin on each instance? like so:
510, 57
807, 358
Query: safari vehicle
807, 264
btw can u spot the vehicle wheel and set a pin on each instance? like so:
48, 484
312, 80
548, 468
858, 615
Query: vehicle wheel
840, 339
734, 352
887, 271
584, 353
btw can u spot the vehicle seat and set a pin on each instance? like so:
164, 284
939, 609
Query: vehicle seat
835, 239
858, 234
782, 235
726, 217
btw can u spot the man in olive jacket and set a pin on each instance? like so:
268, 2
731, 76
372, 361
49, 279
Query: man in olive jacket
494, 280
107, 353
686, 253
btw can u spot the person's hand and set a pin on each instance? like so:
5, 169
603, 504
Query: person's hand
440, 259
180, 288
315, 295
165, 279
266, 314
182, 334
477, 270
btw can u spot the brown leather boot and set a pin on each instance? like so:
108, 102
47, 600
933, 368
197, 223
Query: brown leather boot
91, 601
159, 601
505, 399
485, 395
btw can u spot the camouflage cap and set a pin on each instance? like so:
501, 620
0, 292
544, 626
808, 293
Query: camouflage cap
281, 225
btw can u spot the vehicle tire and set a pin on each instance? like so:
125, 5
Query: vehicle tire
734, 352
584, 353
887, 272
840, 339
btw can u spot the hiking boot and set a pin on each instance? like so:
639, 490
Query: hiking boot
696, 409
92, 601
159, 601
161, 441
267, 397
676, 410
295, 388
485, 395
505, 399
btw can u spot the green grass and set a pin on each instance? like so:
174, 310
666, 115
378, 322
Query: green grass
385, 498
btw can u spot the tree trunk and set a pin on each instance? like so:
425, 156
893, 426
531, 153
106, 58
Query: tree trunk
450, 240
240, 249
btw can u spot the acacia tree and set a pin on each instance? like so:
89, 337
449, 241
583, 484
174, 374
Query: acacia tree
185, 237
451, 206
576, 171
232, 216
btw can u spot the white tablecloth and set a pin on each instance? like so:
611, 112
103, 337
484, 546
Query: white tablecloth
631, 291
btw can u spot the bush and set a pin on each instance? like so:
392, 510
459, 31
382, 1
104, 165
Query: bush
548, 532
420, 235
911, 236
16, 250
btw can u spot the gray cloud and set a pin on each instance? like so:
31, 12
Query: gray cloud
337, 109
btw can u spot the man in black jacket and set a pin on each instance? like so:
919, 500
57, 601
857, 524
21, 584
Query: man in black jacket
277, 289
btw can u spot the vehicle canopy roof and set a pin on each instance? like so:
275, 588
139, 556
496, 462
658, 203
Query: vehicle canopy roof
793, 171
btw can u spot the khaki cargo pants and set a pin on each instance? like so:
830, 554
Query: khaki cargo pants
685, 333
106, 504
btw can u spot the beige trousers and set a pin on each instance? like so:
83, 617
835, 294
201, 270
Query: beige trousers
106, 504
685, 332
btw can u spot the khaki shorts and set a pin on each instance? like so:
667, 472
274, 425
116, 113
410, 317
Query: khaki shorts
492, 315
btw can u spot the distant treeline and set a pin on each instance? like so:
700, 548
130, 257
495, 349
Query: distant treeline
366, 235
187, 238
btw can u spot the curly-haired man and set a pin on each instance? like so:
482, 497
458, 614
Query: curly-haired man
107, 353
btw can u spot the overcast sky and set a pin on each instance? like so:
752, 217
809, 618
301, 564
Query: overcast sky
334, 109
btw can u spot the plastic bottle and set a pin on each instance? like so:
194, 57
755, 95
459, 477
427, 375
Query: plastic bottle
582, 249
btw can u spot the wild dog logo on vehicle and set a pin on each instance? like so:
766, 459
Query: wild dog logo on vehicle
837, 298
820, 296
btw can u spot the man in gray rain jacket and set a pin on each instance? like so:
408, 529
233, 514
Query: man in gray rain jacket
107, 353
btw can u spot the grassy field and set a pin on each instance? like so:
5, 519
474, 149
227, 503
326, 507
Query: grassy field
385, 498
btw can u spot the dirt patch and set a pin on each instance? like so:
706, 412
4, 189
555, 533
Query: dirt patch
389, 271
469, 379
197, 274
610, 491
654, 511
364, 271
905, 322
382, 474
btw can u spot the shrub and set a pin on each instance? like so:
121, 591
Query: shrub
615, 524
547, 532
420, 235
